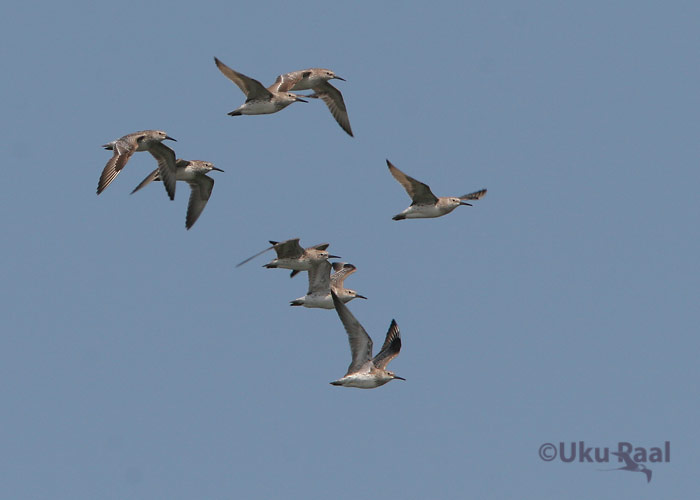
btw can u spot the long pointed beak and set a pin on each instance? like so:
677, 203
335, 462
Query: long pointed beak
339, 78
334, 257
301, 100
215, 168
360, 296
465, 203
400, 378
168, 137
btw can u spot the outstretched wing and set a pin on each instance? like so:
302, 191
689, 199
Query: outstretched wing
341, 271
391, 347
166, 166
123, 149
252, 88
320, 278
336, 105
420, 193
290, 249
201, 189
153, 176
360, 343
253, 256
476, 195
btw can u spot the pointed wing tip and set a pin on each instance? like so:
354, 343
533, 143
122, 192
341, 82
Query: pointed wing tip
189, 221
476, 195
394, 326
170, 193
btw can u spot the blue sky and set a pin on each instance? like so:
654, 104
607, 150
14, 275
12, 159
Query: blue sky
137, 362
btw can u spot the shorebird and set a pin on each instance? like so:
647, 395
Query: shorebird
260, 100
194, 173
316, 79
631, 465
365, 371
425, 203
321, 282
145, 140
291, 255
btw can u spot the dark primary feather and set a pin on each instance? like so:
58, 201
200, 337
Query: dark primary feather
391, 347
476, 195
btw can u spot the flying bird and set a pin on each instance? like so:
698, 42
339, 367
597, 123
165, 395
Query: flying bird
321, 282
365, 371
145, 140
291, 255
425, 203
201, 185
316, 79
259, 100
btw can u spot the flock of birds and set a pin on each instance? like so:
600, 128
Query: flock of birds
326, 289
